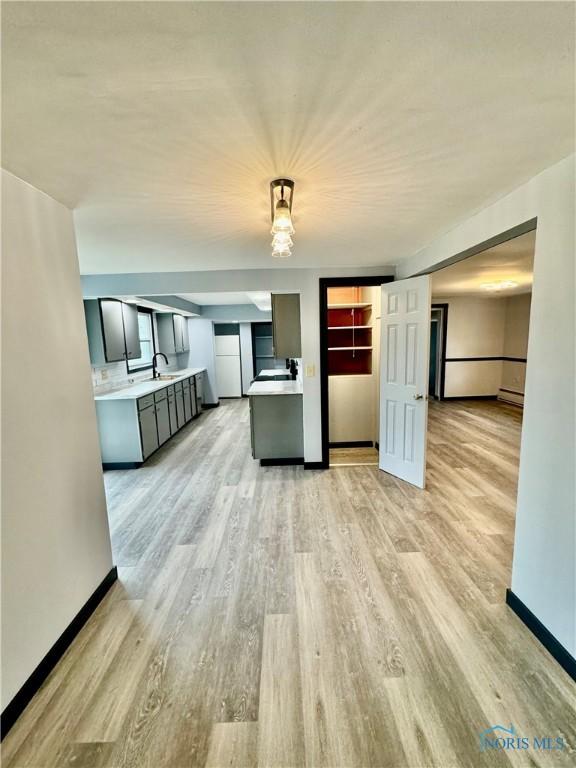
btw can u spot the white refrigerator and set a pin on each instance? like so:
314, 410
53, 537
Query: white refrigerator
228, 369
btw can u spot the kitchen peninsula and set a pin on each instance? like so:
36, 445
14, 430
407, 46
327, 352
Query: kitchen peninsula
276, 418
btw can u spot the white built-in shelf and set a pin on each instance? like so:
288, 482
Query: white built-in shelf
357, 305
347, 327
341, 349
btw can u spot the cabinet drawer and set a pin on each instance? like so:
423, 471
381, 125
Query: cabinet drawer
161, 395
145, 402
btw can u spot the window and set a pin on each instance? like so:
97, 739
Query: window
146, 334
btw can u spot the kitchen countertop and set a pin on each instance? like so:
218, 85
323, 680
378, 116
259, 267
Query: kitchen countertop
142, 388
291, 387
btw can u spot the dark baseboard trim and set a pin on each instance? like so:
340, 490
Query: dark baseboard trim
353, 444
281, 462
472, 397
377, 445
481, 359
20, 701
122, 464
314, 465
556, 649
205, 406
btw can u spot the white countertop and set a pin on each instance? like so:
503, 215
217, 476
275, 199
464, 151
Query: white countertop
142, 388
290, 387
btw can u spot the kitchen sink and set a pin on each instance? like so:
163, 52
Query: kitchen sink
164, 377
273, 378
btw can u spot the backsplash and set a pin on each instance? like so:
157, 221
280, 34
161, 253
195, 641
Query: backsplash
114, 375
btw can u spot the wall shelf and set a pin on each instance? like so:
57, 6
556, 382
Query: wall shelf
347, 327
345, 349
349, 332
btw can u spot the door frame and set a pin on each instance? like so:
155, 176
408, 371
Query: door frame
362, 281
443, 337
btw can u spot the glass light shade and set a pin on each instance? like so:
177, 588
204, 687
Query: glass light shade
281, 251
282, 239
282, 219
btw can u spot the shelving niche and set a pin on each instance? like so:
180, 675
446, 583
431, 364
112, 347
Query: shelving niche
349, 331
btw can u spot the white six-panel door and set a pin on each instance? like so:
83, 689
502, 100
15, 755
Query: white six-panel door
404, 361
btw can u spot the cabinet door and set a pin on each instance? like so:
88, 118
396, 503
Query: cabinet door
131, 332
286, 324
199, 390
193, 396
112, 330
163, 421
165, 326
185, 337
178, 333
173, 413
148, 431
180, 408
187, 403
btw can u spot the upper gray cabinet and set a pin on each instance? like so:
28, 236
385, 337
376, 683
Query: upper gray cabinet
112, 328
286, 324
131, 332
105, 328
172, 333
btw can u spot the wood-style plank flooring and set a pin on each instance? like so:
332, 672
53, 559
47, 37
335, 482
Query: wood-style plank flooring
283, 617
351, 457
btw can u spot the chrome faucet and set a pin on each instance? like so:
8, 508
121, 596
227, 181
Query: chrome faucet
155, 373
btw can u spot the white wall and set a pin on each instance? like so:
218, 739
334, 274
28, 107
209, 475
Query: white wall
201, 355
55, 537
515, 345
475, 329
544, 567
302, 281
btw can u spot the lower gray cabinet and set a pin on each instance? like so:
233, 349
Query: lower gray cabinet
180, 404
193, 397
199, 382
162, 416
132, 428
187, 401
148, 430
276, 427
172, 411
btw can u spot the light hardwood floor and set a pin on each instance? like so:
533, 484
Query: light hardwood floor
283, 617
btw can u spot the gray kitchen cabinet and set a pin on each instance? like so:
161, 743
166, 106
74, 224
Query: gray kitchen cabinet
105, 329
132, 428
286, 325
187, 401
162, 416
131, 331
172, 410
181, 416
276, 426
148, 430
172, 333
199, 381
193, 401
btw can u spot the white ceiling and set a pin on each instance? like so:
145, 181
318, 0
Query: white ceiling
212, 299
163, 123
511, 261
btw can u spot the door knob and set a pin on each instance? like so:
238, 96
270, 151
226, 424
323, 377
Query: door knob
418, 397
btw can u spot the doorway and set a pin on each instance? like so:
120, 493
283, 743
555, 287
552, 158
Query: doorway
349, 368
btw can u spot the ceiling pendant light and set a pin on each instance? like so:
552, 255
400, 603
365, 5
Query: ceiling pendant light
282, 238
281, 196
